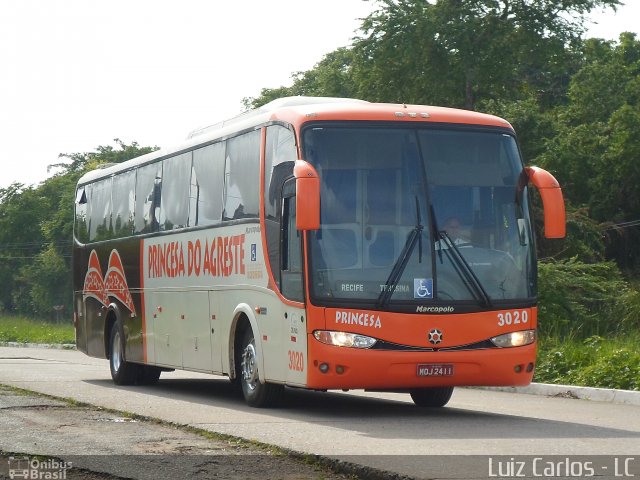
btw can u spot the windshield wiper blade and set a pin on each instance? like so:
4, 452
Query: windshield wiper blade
402, 261
465, 270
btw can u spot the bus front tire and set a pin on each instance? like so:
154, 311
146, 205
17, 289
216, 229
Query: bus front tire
431, 397
256, 393
122, 372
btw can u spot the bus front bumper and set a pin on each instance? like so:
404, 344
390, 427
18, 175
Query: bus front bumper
332, 367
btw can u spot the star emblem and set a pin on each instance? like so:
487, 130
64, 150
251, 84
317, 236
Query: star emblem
435, 336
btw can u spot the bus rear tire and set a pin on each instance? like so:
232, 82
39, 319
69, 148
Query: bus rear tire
431, 397
122, 372
256, 393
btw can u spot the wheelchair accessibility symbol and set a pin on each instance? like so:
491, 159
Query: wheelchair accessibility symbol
423, 288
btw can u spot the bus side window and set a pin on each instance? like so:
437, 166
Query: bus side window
123, 197
207, 181
99, 211
81, 227
148, 187
291, 284
175, 192
242, 176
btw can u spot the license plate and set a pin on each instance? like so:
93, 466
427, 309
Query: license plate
433, 370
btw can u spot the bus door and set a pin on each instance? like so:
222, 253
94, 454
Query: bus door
292, 287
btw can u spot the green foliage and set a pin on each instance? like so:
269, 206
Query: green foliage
584, 241
596, 152
594, 362
533, 125
577, 300
489, 49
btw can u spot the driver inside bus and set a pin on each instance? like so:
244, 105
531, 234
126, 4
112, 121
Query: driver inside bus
458, 234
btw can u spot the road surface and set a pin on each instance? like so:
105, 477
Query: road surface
382, 431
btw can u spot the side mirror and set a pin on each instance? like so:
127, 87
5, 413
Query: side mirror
307, 196
552, 201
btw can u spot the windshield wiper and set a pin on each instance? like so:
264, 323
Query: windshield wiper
464, 270
402, 261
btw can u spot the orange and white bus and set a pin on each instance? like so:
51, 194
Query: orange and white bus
320, 243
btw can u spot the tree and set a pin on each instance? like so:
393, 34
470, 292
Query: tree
21, 215
457, 52
36, 225
596, 152
453, 52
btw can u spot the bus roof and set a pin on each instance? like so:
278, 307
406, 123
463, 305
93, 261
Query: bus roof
300, 109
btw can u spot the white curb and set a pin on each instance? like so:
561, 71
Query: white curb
624, 397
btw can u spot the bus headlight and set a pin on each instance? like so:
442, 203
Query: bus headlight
515, 339
344, 339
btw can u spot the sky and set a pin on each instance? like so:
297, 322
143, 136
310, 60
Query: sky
76, 74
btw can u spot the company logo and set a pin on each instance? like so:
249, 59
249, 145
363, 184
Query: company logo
359, 318
434, 309
113, 284
24, 467
435, 336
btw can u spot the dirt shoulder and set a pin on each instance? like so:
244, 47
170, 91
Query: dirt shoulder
60, 440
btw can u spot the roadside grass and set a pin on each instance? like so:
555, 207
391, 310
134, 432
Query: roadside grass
612, 362
25, 330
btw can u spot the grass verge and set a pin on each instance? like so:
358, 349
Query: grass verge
612, 362
26, 330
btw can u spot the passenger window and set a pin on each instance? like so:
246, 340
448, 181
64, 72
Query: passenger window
207, 182
176, 174
123, 203
242, 176
81, 226
148, 187
99, 210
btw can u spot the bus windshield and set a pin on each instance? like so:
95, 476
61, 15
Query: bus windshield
414, 216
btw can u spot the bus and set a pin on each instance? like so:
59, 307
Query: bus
318, 243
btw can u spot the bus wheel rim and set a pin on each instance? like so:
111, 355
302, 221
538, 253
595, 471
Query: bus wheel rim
116, 353
249, 366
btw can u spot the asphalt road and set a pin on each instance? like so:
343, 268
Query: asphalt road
382, 431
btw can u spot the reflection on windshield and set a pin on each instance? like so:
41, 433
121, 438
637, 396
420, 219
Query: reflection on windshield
462, 182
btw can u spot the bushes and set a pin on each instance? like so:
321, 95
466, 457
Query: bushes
579, 300
589, 326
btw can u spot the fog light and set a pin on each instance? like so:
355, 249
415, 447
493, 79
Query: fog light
339, 369
518, 368
515, 339
530, 368
324, 367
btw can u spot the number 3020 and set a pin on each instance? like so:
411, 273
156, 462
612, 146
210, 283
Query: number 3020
296, 361
513, 318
